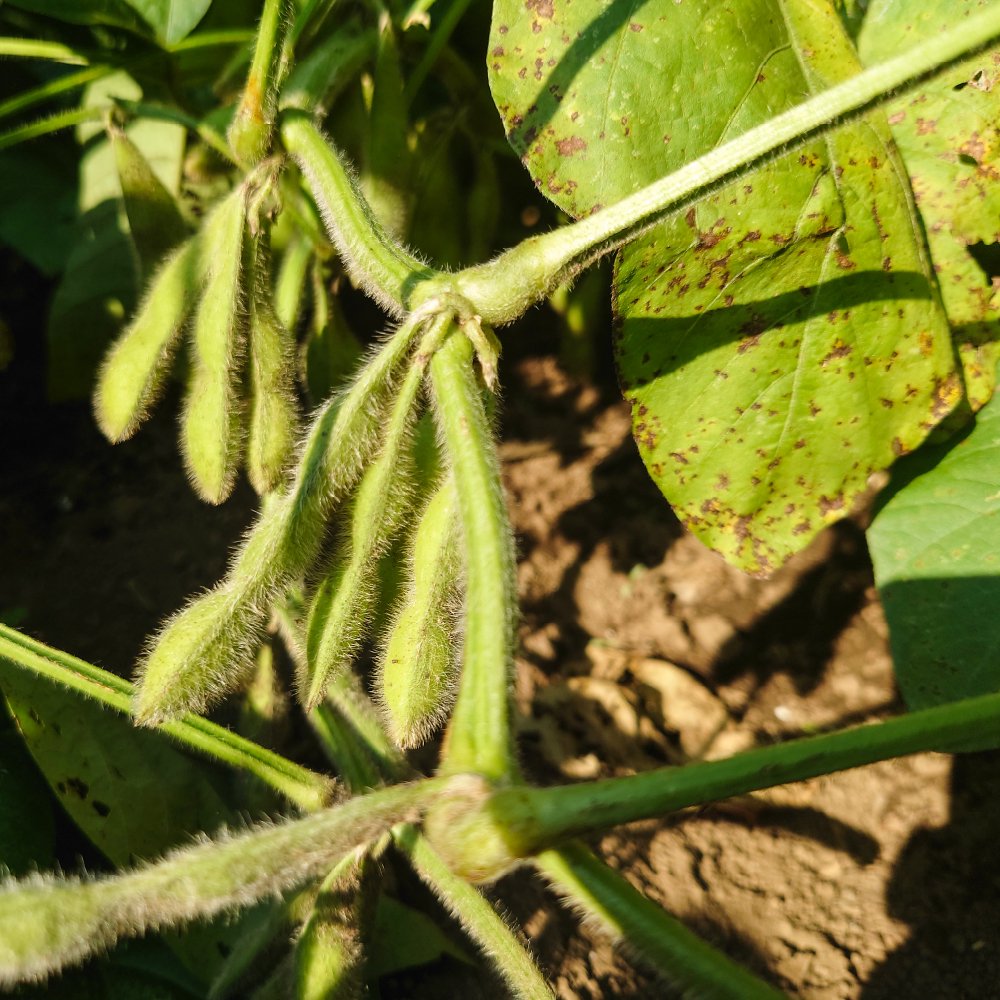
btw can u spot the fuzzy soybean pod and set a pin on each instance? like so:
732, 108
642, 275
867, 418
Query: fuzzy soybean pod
417, 667
330, 954
479, 737
273, 416
133, 371
206, 649
344, 603
210, 427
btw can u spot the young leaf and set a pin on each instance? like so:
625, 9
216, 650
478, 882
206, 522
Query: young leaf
783, 339
154, 219
935, 543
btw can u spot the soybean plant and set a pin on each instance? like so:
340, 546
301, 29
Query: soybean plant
400, 463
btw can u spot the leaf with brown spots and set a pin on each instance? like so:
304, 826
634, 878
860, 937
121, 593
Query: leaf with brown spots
131, 792
785, 337
947, 134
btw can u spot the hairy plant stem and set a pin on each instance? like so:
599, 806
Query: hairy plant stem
479, 736
372, 258
34, 48
53, 88
478, 919
503, 289
624, 912
544, 816
253, 124
306, 789
46, 924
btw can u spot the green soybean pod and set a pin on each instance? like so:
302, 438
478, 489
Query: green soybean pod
330, 953
133, 370
273, 415
342, 608
290, 282
417, 668
210, 428
480, 732
206, 649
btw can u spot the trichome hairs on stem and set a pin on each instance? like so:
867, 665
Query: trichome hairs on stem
46, 924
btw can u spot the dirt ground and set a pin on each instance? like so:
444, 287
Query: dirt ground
639, 648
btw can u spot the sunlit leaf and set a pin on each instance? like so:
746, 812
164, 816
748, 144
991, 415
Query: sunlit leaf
782, 340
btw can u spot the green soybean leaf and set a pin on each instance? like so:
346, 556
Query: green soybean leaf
404, 937
132, 793
117, 13
782, 340
38, 204
936, 547
99, 286
171, 20
947, 136
154, 218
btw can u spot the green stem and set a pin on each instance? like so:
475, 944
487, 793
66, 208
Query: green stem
478, 919
213, 39
480, 738
346, 723
372, 258
253, 125
54, 123
308, 790
33, 48
623, 911
552, 814
46, 925
52, 88
507, 286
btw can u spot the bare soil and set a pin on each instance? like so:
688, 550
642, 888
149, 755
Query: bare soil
639, 648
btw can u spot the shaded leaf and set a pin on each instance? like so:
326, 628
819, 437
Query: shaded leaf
38, 203
131, 792
154, 218
404, 937
935, 543
117, 13
27, 830
781, 341
100, 283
